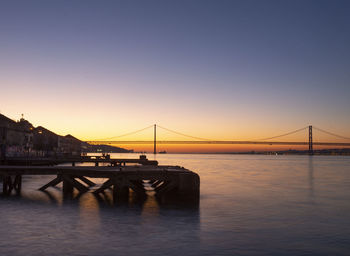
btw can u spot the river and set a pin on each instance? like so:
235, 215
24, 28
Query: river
249, 205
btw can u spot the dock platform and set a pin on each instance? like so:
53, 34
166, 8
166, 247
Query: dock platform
165, 181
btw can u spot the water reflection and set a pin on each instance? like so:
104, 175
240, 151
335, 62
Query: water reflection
51, 197
89, 213
311, 176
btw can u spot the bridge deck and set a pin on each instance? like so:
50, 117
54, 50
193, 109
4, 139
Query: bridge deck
221, 142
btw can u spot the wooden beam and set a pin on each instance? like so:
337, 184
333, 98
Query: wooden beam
136, 187
156, 183
105, 185
52, 183
167, 187
76, 184
86, 181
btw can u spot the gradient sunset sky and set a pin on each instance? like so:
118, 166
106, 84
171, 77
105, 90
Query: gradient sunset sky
236, 70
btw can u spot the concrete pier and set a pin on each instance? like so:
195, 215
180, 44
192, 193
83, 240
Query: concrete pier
165, 181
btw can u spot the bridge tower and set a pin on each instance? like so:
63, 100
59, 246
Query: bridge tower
155, 140
311, 151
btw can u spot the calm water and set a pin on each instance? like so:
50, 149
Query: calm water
250, 205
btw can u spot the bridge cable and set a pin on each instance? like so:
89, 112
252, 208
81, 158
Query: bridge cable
285, 134
330, 133
182, 134
203, 139
126, 134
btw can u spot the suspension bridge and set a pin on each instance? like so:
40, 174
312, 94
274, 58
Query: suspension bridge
197, 140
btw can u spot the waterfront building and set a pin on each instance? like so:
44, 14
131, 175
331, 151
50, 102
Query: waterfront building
16, 138
21, 138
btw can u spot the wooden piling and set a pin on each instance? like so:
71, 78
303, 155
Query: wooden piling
120, 193
10, 183
67, 186
18, 184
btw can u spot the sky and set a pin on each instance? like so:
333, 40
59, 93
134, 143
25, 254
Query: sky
224, 70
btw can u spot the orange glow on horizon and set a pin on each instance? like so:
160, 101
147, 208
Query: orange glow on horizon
87, 128
188, 148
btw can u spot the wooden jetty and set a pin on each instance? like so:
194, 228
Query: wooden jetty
165, 181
